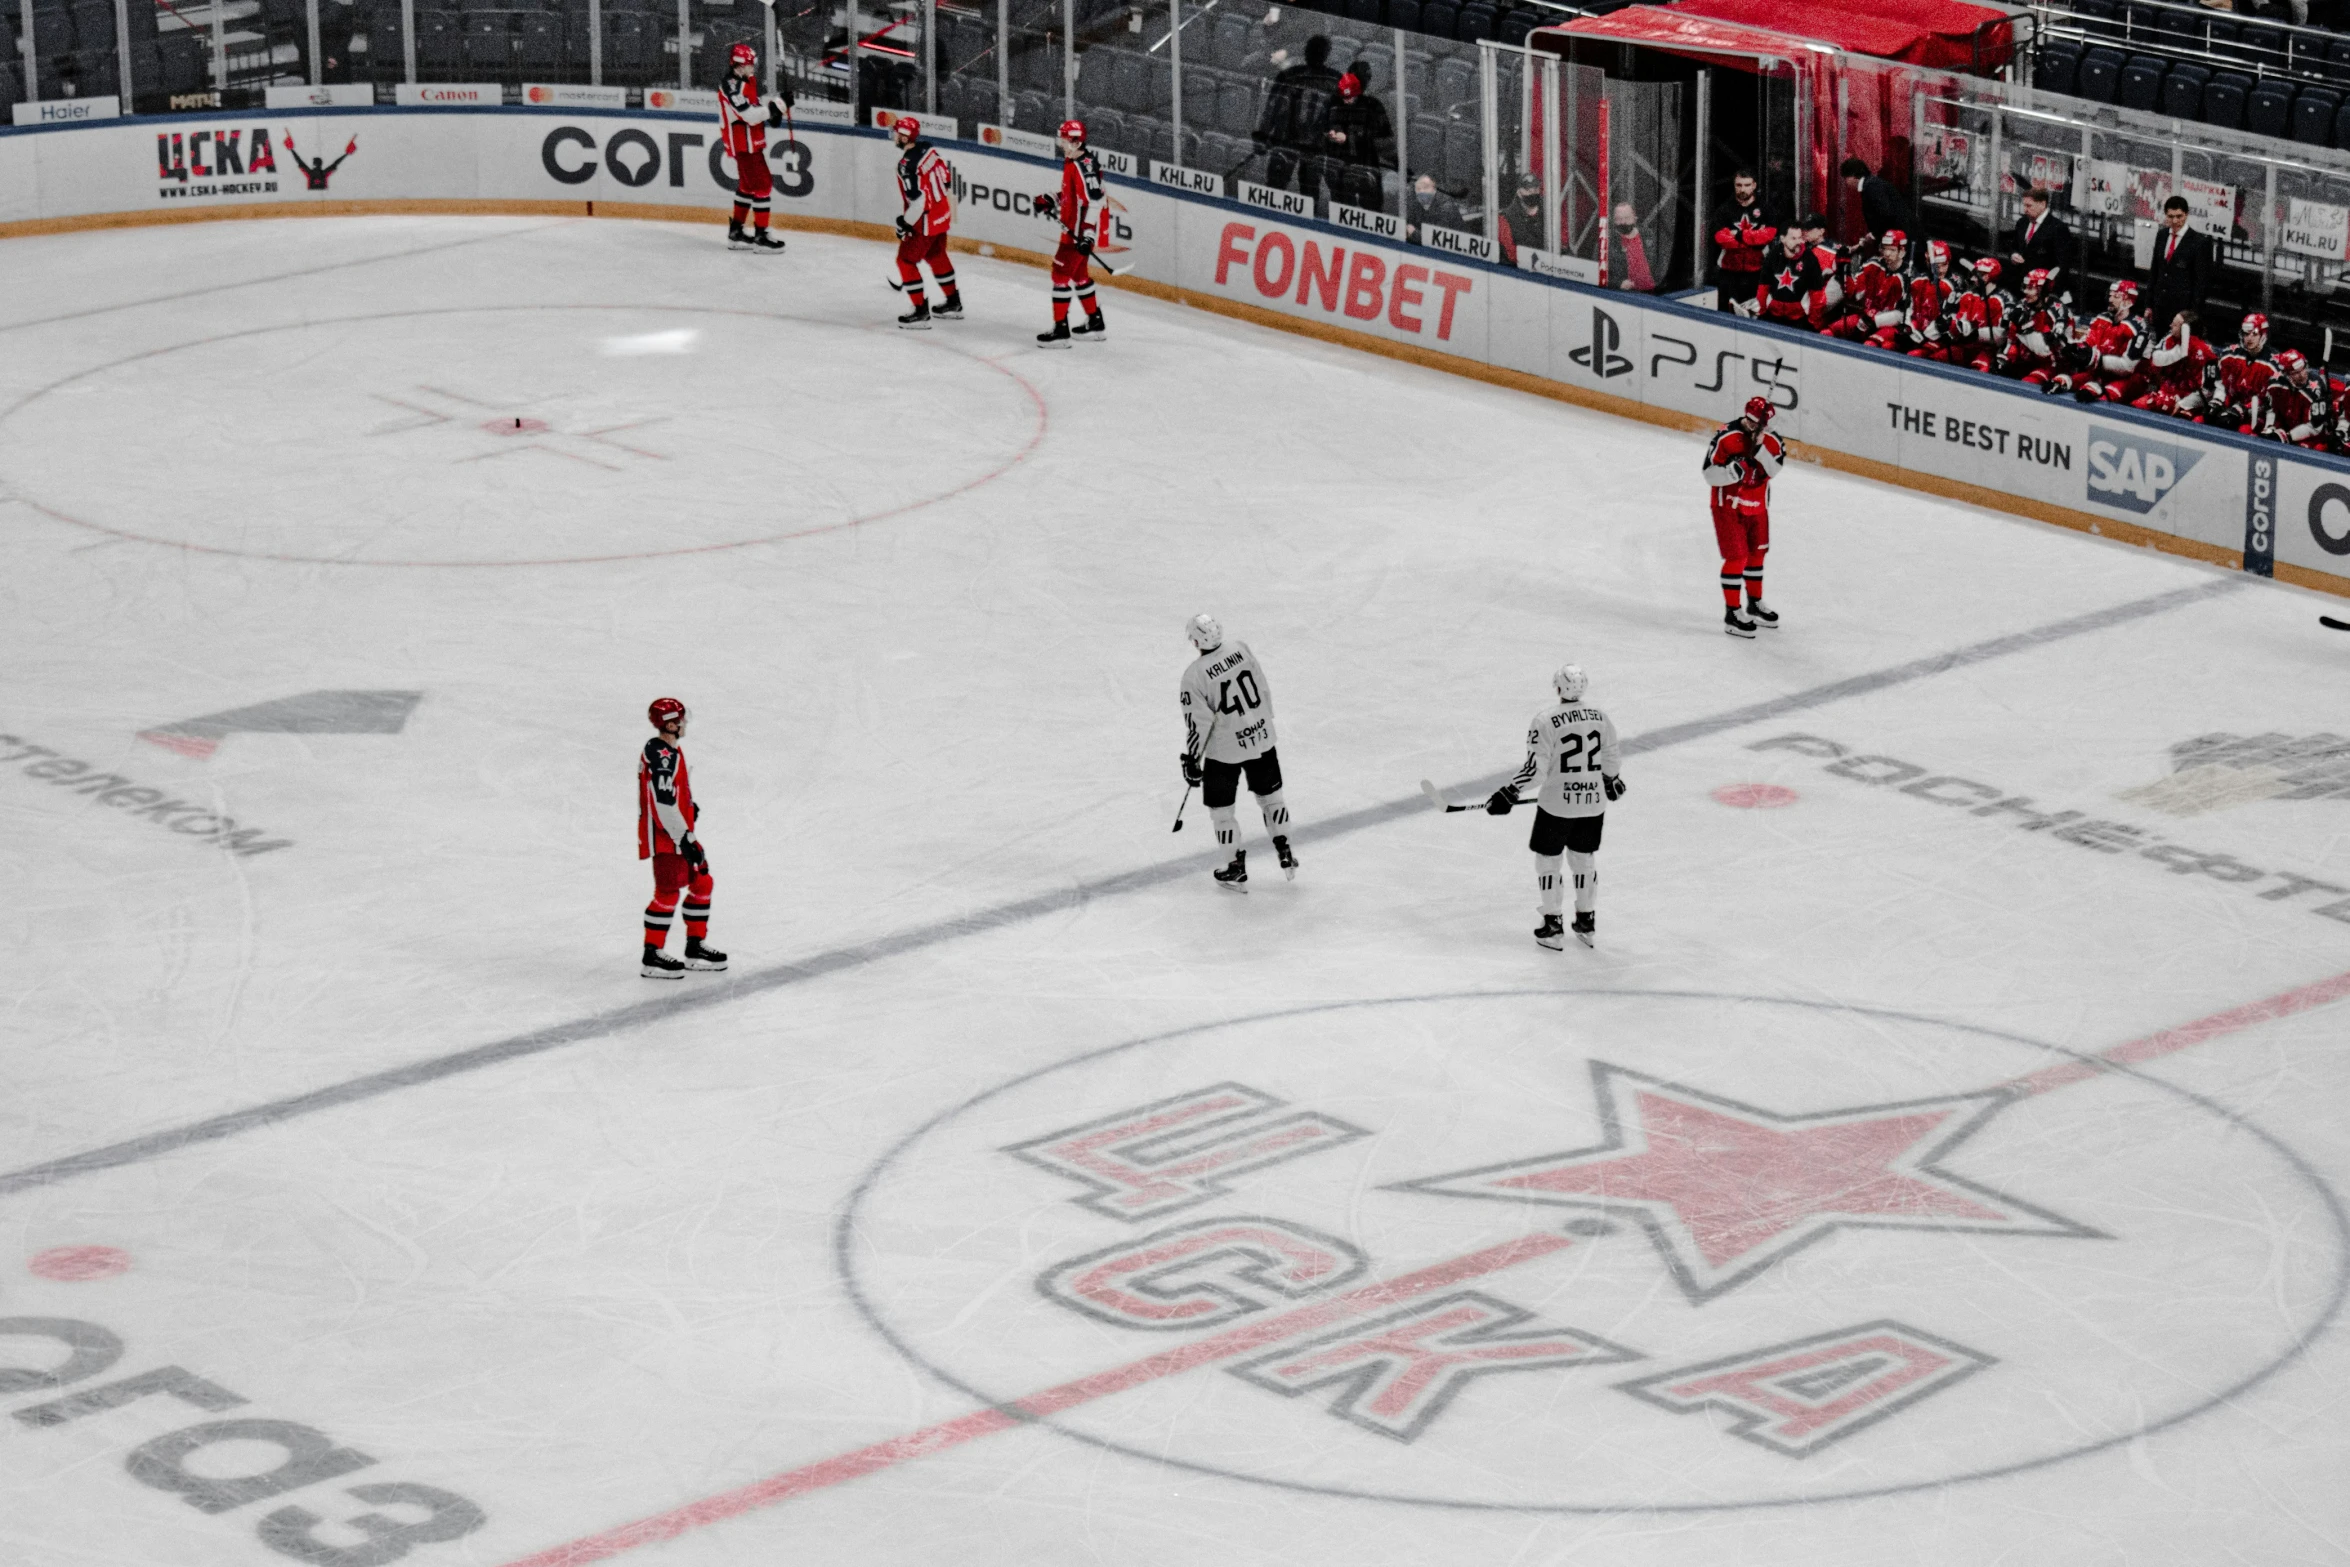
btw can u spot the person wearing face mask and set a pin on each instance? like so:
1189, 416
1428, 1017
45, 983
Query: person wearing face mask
1358, 140
1429, 206
1627, 256
1521, 219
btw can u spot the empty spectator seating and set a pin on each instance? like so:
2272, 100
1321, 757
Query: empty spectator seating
2141, 83
2313, 115
2100, 75
2182, 91
2056, 67
2268, 109
440, 49
2223, 103
1439, 19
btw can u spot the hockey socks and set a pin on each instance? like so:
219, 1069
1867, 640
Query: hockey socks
1276, 812
1227, 822
1586, 870
1552, 885
1733, 586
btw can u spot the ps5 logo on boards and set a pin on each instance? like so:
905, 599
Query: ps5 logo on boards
2132, 471
1599, 355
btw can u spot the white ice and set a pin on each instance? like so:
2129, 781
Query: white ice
924, 593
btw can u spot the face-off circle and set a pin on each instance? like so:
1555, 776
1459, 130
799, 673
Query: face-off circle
1594, 1251
1754, 796
512, 435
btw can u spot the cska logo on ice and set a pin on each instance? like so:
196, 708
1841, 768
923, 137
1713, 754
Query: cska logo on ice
1582, 1252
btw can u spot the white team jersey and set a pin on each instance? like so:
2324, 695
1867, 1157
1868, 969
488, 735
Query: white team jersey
1569, 748
1228, 688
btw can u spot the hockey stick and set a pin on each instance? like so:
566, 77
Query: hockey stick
1437, 799
2338, 625
1203, 756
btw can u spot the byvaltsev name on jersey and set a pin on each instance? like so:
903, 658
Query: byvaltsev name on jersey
1570, 748
1228, 688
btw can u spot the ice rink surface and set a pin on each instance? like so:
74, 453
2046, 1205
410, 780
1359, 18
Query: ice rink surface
1938, 1162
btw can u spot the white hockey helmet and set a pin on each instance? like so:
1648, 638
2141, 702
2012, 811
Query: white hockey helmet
1205, 631
1570, 682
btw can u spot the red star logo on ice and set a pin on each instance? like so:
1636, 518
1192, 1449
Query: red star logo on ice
1726, 1190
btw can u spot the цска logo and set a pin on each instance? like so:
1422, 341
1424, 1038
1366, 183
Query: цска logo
2133, 471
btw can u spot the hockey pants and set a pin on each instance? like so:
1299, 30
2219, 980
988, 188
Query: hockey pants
1744, 534
672, 876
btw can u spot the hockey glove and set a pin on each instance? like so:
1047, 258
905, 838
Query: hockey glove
905, 227
1045, 206
774, 112
1614, 786
691, 848
1191, 770
1500, 801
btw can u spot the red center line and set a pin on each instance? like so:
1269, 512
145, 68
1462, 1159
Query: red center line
1236, 1341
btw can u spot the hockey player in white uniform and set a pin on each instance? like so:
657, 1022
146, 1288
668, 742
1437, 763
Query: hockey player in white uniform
1228, 731
1571, 761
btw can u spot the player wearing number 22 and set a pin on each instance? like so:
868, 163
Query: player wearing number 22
666, 817
1740, 462
1571, 762
1228, 731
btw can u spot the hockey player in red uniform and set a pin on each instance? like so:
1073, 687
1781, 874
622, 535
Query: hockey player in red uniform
926, 187
1740, 463
1876, 293
1919, 333
1793, 289
743, 117
2175, 372
1977, 320
2294, 406
1745, 242
2038, 328
1080, 195
2237, 379
665, 820
2105, 352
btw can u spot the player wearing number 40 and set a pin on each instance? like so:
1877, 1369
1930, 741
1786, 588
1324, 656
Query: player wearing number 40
1228, 731
1571, 762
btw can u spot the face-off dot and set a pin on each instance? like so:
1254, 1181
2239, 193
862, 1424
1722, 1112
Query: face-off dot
510, 425
1754, 797
80, 1264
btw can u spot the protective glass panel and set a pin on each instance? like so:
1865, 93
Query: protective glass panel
1645, 177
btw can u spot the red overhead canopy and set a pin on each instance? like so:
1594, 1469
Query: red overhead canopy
1662, 28
1937, 34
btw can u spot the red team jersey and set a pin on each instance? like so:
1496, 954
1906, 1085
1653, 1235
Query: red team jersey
664, 799
1081, 193
926, 185
742, 116
1739, 466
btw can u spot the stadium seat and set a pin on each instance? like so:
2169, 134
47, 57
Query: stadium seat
2338, 60
1456, 84
2054, 68
1362, 11
1220, 152
181, 57
489, 46
538, 45
1461, 169
2313, 115
2182, 91
632, 47
2342, 124
440, 46
1095, 68
2262, 42
2100, 76
1439, 19
1229, 43
1130, 81
1404, 14
2268, 110
1033, 111
1517, 25
979, 99
2141, 83
1475, 21
1236, 108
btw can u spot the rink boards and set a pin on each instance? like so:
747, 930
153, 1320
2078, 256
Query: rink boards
2115, 471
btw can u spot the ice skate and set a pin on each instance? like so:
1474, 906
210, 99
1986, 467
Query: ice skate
1288, 860
952, 310
916, 319
1058, 337
1586, 928
1737, 625
1235, 875
1550, 933
1093, 329
764, 241
1767, 619
735, 235
660, 965
698, 956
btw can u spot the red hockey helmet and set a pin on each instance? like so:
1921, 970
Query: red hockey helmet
2036, 281
1938, 252
1894, 240
2255, 325
664, 710
1072, 130
742, 54
1759, 409
905, 130
2124, 293
1987, 268
2292, 361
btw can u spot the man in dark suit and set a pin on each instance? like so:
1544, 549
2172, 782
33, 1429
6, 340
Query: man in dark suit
2182, 265
1880, 203
2041, 241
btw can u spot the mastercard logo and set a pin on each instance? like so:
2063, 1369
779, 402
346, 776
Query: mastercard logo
539, 95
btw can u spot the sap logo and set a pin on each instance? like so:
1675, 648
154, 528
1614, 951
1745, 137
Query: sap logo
1599, 356
2133, 471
